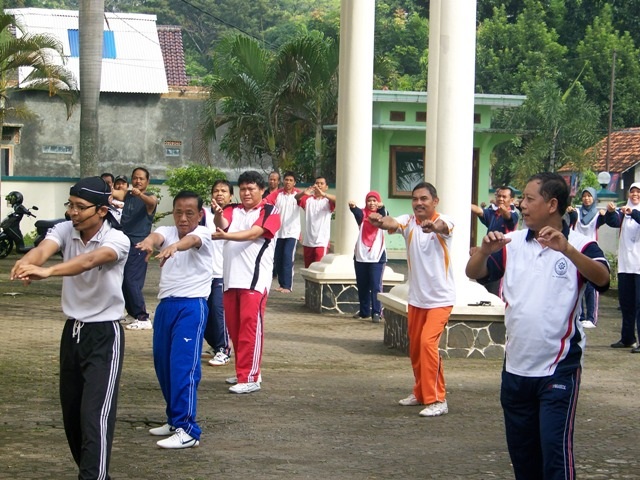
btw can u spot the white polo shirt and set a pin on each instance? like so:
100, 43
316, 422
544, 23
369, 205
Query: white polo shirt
629, 244
317, 228
289, 211
217, 244
188, 274
249, 264
590, 230
542, 290
94, 295
431, 283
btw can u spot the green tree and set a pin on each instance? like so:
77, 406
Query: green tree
244, 99
555, 128
597, 47
307, 69
512, 54
270, 102
589, 179
401, 40
43, 54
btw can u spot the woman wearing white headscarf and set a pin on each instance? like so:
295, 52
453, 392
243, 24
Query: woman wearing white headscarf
587, 219
627, 218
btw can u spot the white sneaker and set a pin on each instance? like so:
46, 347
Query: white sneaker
220, 359
435, 409
249, 387
163, 431
410, 401
140, 325
180, 439
234, 380
588, 324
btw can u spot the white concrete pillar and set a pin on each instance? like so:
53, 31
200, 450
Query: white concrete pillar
355, 112
450, 139
355, 119
431, 149
456, 88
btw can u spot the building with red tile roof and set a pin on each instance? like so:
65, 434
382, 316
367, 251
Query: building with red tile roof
618, 155
170, 37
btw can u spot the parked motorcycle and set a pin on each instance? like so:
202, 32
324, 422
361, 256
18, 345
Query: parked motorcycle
43, 227
10, 233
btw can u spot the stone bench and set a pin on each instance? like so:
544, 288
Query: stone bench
330, 285
472, 331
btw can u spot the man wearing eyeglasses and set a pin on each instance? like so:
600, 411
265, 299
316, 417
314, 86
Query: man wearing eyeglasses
92, 344
137, 219
249, 229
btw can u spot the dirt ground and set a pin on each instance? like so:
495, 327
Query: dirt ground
328, 407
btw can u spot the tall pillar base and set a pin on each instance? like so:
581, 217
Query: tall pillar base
472, 332
330, 285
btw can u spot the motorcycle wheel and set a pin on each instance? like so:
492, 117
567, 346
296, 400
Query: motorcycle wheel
5, 247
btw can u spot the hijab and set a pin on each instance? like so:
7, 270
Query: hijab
369, 232
587, 214
629, 204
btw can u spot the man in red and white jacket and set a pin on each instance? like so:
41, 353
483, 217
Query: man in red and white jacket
250, 229
318, 206
285, 200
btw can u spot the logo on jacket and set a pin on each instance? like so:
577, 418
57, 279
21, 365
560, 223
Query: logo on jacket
561, 267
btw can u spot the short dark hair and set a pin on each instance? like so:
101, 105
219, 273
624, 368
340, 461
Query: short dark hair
222, 181
276, 172
432, 190
553, 185
188, 194
289, 174
321, 177
506, 187
251, 176
146, 172
107, 174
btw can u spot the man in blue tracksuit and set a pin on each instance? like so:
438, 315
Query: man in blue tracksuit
186, 254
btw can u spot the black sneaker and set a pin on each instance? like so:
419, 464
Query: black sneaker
619, 344
375, 318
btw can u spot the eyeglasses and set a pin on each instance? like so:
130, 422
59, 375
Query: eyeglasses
77, 208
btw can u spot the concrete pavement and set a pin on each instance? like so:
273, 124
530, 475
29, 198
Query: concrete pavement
328, 407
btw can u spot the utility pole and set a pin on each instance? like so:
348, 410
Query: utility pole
613, 82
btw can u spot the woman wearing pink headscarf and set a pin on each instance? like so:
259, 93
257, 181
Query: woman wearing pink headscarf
370, 257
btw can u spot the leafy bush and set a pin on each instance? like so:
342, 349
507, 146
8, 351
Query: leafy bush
155, 191
589, 179
197, 178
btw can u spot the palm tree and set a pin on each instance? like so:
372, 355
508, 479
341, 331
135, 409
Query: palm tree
42, 55
270, 102
91, 21
555, 128
308, 67
242, 97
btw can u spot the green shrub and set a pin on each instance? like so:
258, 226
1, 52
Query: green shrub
197, 178
30, 237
